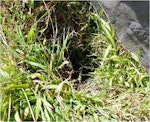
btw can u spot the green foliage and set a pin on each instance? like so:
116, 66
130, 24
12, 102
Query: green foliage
61, 61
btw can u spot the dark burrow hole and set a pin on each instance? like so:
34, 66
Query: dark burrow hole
79, 50
81, 61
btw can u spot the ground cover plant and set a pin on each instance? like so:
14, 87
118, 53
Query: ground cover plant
61, 61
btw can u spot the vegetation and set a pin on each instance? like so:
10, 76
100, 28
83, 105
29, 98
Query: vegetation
61, 61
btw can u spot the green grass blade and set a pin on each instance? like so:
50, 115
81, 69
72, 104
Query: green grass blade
36, 64
29, 105
13, 86
38, 106
9, 109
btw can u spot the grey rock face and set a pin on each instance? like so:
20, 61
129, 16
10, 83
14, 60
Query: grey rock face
131, 22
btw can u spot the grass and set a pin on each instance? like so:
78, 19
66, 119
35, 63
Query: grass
67, 66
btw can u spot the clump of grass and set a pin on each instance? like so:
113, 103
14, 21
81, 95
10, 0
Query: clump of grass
67, 66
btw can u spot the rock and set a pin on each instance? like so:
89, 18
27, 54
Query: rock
131, 22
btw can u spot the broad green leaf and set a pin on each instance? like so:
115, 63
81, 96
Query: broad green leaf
20, 86
36, 64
